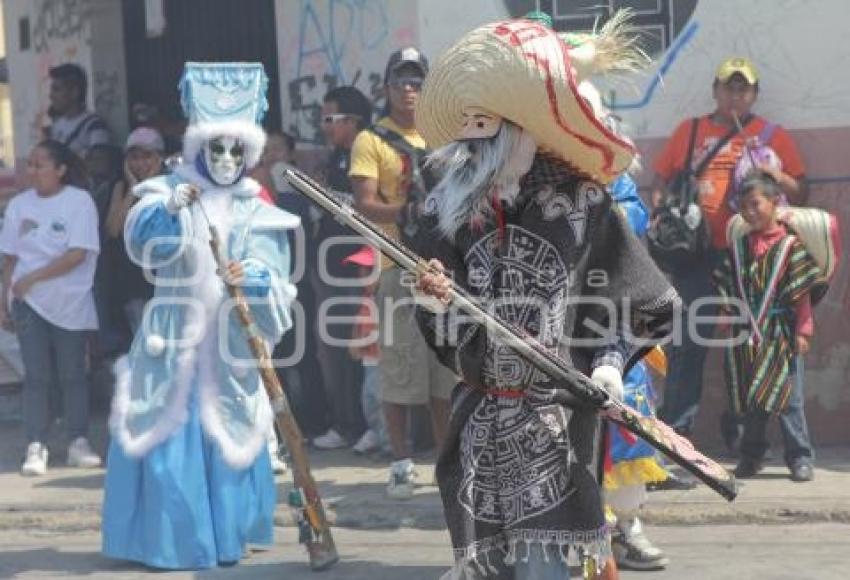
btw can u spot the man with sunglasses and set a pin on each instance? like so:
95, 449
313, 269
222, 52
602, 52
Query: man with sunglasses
389, 182
345, 112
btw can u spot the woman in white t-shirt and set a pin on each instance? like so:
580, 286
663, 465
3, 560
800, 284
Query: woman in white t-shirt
50, 243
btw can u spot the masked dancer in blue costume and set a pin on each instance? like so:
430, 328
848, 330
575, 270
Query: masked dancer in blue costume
189, 482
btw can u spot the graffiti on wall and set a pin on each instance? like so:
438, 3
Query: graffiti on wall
58, 20
330, 43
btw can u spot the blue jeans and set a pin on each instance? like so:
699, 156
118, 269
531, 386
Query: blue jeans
50, 355
792, 423
683, 385
371, 402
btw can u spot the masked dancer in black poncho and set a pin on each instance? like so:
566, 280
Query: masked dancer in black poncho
522, 220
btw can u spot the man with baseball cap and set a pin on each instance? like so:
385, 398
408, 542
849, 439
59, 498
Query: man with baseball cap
740, 66
407, 60
719, 137
390, 183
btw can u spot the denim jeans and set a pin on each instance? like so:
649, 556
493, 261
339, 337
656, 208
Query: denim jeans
50, 355
342, 376
686, 358
371, 401
792, 423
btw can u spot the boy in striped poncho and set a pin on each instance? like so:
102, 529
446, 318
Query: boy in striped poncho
770, 272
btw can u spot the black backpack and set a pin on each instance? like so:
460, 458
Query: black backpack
422, 177
678, 234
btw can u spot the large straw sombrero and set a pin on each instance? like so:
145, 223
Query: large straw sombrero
521, 71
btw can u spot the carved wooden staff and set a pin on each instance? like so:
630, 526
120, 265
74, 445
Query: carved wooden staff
314, 531
650, 429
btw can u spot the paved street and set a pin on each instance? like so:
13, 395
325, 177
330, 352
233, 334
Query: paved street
775, 530
790, 552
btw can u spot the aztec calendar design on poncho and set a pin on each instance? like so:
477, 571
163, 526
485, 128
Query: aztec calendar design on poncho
528, 286
512, 457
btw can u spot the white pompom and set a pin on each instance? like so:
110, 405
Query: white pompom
154, 344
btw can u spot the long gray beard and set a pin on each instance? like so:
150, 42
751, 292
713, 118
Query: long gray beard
476, 170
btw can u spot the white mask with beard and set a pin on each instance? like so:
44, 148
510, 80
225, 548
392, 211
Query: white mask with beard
475, 169
225, 159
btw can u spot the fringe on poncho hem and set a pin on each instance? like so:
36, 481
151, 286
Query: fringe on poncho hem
514, 545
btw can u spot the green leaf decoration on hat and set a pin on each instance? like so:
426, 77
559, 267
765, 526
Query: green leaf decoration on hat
539, 16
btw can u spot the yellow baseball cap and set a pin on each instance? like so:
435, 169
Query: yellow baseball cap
739, 65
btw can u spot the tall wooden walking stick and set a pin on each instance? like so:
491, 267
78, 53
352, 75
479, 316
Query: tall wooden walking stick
314, 531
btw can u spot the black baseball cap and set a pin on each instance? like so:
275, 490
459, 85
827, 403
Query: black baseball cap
401, 57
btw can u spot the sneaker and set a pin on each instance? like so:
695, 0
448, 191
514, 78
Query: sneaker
330, 440
81, 455
633, 550
36, 461
801, 470
366, 443
748, 467
402, 479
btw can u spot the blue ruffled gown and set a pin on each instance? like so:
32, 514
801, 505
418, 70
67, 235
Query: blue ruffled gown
179, 505
182, 507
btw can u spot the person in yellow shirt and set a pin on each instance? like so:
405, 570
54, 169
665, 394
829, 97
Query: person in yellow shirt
389, 185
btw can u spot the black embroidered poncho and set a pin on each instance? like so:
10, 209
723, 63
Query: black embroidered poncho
519, 464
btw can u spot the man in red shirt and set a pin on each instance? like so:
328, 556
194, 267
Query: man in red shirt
735, 88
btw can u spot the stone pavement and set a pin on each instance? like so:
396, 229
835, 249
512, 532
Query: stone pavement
68, 500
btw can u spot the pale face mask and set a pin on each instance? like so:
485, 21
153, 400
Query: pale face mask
225, 159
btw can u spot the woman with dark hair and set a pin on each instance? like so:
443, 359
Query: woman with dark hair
49, 241
131, 288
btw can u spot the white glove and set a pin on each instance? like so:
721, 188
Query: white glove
182, 196
610, 379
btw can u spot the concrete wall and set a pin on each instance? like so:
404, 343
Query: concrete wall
87, 32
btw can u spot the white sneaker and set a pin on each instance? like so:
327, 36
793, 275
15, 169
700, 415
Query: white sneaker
402, 479
81, 455
36, 461
330, 440
632, 549
366, 443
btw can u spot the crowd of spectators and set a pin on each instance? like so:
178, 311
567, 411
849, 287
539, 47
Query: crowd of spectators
348, 384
